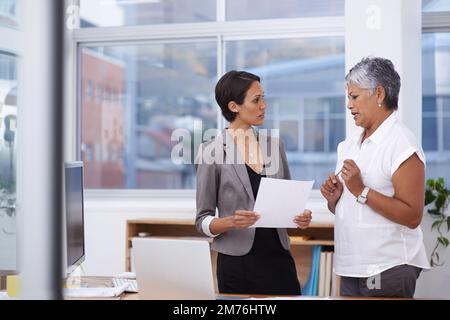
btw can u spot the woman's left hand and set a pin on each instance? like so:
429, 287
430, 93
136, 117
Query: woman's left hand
352, 177
303, 220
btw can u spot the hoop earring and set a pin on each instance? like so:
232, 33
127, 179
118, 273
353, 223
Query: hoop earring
379, 105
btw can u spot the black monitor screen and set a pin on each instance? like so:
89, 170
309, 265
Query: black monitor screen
74, 214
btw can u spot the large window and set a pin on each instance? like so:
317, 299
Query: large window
436, 103
304, 88
133, 98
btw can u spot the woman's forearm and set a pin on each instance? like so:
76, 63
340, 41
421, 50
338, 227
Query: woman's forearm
221, 225
394, 209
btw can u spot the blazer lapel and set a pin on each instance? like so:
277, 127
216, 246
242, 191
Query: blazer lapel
242, 173
239, 166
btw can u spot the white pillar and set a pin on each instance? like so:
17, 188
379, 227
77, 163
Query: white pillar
392, 30
39, 183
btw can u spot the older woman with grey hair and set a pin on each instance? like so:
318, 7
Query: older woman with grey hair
377, 193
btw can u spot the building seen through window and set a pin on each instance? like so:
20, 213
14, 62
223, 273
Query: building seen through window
143, 94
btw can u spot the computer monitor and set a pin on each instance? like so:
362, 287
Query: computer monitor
74, 218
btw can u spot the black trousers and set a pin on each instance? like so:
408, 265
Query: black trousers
267, 269
398, 282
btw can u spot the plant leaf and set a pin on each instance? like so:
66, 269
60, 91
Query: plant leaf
430, 183
444, 241
429, 197
440, 182
440, 201
435, 224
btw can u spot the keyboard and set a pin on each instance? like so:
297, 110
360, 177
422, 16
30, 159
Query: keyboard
132, 284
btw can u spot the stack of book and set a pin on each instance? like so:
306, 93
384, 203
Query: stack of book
322, 281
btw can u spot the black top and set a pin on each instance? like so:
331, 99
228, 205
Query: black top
255, 180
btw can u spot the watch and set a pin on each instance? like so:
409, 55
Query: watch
362, 198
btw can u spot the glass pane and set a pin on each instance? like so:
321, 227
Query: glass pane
8, 145
269, 9
303, 80
289, 134
429, 124
429, 134
446, 128
436, 105
445, 101
429, 106
314, 135
337, 122
106, 13
435, 5
8, 13
315, 108
336, 106
142, 94
337, 127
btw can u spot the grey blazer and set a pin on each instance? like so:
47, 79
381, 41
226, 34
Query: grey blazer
223, 183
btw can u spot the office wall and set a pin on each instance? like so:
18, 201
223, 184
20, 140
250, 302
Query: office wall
105, 229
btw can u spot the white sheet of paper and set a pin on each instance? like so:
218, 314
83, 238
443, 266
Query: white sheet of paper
279, 201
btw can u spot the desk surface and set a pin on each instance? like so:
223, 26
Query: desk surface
106, 282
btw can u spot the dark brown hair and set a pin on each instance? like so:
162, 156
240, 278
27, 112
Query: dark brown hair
233, 86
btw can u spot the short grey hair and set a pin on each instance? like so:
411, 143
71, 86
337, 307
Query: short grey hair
370, 73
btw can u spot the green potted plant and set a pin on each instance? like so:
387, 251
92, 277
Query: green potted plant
437, 196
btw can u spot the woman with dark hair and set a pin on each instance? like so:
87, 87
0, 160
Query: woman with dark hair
229, 171
379, 197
